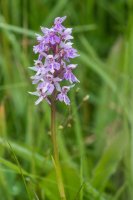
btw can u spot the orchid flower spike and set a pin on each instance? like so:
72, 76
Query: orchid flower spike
52, 68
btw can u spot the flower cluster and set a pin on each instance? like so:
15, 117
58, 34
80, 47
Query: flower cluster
53, 66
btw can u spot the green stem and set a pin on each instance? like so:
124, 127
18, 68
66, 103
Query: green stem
56, 153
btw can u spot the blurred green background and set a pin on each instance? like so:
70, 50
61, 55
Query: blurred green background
95, 135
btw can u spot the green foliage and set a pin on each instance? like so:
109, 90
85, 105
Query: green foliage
95, 135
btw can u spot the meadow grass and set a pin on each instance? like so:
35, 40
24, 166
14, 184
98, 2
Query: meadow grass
95, 135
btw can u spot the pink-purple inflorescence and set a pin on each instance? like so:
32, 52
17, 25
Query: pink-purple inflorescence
53, 64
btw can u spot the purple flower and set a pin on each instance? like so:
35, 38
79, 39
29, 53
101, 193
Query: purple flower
68, 51
68, 75
41, 96
63, 95
38, 48
51, 64
71, 53
54, 49
50, 36
66, 35
58, 24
